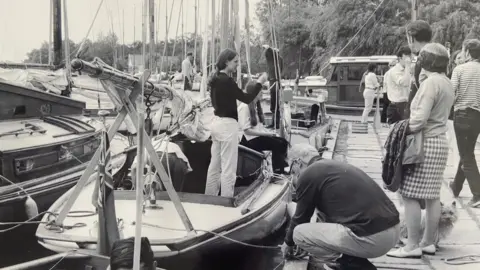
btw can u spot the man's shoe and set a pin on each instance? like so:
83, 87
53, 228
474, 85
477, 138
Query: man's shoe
474, 202
347, 262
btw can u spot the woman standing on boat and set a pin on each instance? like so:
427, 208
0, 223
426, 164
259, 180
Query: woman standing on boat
428, 116
370, 92
222, 171
256, 137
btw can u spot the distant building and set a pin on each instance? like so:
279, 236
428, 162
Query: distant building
135, 62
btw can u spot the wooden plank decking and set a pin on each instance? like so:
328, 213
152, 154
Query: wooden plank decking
365, 152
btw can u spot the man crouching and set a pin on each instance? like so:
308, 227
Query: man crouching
360, 221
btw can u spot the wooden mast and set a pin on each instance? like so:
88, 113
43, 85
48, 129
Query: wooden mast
50, 55
414, 10
212, 42
67, 50
238, 44
57, 32
140, 149
151, 8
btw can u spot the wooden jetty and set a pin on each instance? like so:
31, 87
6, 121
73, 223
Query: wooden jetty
365, 152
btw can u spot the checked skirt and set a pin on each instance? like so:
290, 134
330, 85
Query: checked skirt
425, 179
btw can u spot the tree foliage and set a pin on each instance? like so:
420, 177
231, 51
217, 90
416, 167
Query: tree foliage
322, 29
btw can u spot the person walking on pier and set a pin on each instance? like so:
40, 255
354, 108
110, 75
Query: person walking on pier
370, 93
428, 121
386, 100
466, 84
188, 72
359, 220
398, 81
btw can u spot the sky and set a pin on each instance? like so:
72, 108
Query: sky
24, 24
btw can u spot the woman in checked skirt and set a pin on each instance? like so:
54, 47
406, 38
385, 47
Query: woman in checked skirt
429, 115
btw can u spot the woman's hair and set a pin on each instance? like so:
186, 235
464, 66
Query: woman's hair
404, 50
434, 58
371, 67
254, 107
451, 63
121, 255
222, 59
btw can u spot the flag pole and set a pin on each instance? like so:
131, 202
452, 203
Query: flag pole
140, 151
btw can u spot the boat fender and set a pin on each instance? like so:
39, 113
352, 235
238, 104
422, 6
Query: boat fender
31, 208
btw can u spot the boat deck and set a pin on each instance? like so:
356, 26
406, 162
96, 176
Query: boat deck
26, 138
365, 152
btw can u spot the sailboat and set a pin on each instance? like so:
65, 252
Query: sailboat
178, 219
183, 220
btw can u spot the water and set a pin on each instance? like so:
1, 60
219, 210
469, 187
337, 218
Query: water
22, 247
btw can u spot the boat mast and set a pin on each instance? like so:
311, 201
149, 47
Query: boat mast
67, 46
151, 9
195, 37
50, 56
414, 10
57, 32
224, 24
237, 41
212, 42
140, 149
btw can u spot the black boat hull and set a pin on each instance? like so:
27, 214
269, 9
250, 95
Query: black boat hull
13, 209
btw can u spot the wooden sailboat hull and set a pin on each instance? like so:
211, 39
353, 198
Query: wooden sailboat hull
252, 229
210, 215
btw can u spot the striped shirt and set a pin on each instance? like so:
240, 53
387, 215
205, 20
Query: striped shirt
466, 84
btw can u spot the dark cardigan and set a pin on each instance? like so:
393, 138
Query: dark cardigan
392, 167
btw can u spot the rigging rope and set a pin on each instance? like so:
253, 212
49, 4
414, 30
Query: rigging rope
166, 40
176, 34
79, 50
356, 34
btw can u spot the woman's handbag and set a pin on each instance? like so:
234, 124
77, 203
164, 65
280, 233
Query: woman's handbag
413, 152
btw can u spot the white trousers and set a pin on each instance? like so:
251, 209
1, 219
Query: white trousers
369, 96
222, 171
452, 144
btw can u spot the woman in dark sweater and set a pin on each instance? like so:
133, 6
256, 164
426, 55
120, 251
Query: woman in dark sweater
224, 92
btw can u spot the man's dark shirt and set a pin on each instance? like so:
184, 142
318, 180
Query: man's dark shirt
225, 93
345, 195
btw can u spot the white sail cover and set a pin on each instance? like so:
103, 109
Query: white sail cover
192, 114
44, 80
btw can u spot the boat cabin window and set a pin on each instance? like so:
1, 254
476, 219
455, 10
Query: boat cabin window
382, 69
334, 76
355, 72
20, 110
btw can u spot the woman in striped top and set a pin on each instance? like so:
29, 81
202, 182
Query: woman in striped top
466, 84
